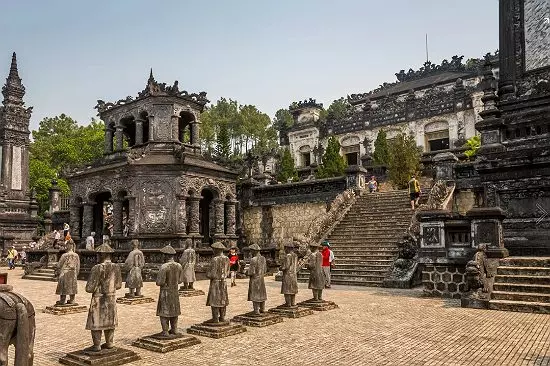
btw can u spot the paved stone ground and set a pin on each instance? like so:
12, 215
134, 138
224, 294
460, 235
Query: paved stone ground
372, 327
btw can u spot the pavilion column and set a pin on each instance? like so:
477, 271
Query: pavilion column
181, 215
194, 215
74, 221
88, 218
108, 140
131, 215
118, 138
219, 217
175, 127
117, 216
231, 219
139, 131
195, 133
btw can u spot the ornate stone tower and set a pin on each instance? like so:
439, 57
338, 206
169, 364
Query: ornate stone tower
17, 209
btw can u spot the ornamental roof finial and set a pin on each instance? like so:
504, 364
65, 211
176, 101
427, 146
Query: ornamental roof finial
13, 90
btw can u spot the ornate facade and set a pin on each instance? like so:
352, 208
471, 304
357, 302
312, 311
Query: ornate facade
153, 175
18, 210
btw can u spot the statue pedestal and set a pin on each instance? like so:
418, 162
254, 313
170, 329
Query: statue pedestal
291, 311
134, 300
105, 357
65, 309
190, 292
159, 343
318, 305
473, 300
216, 330
254, 320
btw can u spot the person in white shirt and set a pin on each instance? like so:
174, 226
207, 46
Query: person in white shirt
90, 242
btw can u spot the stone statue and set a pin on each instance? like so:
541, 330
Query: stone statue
168, 308
105, 278
256, 286
17, 327
134, 264
67, 269
289, 268
481, 259
316, 275
188, 261
217, 292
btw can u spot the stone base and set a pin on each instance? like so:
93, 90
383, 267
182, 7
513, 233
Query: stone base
189, 293
134, 300
321, 305
105, 357
253, 320
291, 312
474, 303
158, 343
65, 309
216, 330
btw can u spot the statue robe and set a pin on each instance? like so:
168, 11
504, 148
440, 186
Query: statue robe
289, 267
316, 275
105, 278
168, 278
68, 268
217, 273
188, 261
134, 263
256, 285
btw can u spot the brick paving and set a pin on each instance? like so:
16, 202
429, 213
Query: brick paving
373, 326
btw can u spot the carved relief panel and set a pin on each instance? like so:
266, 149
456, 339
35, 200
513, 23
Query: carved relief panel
156, 207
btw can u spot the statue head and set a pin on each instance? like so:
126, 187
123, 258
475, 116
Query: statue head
254, 249
218, 248
188, 243
168, 252
70, 245
135, 244
289, 247
482, 247
314, 246
104, 251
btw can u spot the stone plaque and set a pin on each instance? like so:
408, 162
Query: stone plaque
537, 34
16, 168
487, 232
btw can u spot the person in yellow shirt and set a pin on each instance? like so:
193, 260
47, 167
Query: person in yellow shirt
12, 254
414, 191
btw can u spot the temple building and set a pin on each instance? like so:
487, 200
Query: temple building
438, 104
153, 175
18, 209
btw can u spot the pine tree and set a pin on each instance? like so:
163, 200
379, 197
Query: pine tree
380, 155
223, 142
333, 164
287, 169
403, 159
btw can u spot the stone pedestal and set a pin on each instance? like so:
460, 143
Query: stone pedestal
162, 344
134, 300
255, 320
65, 309
291, 311
473, 302
105, 357
190, 292
487, 229
318, 305
216, 330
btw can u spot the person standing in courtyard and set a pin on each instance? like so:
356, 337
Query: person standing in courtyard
90, 241
326, 253
56, 237
373, 184
66, 229
12, 255
23, 256
233, 265
414, 191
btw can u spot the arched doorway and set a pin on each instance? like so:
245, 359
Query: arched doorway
102, 215
206, 218
184, 127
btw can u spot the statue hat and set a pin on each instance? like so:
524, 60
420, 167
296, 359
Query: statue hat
218, 245
104, 248
255, 247
313, 244
168, 250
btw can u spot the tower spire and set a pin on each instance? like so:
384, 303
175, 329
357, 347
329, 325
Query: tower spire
151, 77
13, 90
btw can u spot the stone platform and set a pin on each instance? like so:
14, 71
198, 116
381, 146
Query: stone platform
291, 311
254, 320
134, 300
162, 344
105, 357
320, 305
189, 293
216, 330
65, 309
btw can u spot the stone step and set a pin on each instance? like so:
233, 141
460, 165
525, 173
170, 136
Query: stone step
520, 296
48, 271
370, 266
525, 262
520, 306
365, 225
363, 275
39, 277
363, 246
522, 279
361, 261
521, 287
361, 232
526, 271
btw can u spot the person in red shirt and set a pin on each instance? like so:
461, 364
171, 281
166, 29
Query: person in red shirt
326, 262
233, 265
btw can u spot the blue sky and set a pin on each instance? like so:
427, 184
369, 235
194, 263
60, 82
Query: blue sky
266, 53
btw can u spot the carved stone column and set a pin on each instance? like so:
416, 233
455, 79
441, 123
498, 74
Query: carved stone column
108, 140
118, 138
219, 217
175, 127
231, 219
117, 217
139, 131
194, 215
74, 221
181, 215
88, 218
195, 133
131, 215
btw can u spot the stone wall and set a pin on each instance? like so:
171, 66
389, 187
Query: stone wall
443, 280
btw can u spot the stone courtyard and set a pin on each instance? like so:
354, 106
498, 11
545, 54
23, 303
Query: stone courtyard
372, 326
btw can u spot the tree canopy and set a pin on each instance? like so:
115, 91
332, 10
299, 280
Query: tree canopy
380, 155
287, 170
333, 164
403, 159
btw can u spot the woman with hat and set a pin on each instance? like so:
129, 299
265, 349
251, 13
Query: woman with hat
256, 286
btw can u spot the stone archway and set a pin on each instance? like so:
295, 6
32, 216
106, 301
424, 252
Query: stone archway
207, 214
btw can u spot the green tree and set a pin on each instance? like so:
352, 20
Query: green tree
287, 169
223, 142
403, 159
283, 120
338, 109
333, 164
380, 155
473, 144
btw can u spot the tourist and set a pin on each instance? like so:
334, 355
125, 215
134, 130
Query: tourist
90, 241
32, 245
326, 253
373, 184
414, 191
23, 256
12, 254
66, 229
56, 237
233, 265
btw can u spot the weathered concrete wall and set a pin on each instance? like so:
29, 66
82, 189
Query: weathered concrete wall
276, 224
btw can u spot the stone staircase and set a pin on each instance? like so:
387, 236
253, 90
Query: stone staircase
364, 242
522, 284
41, 274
